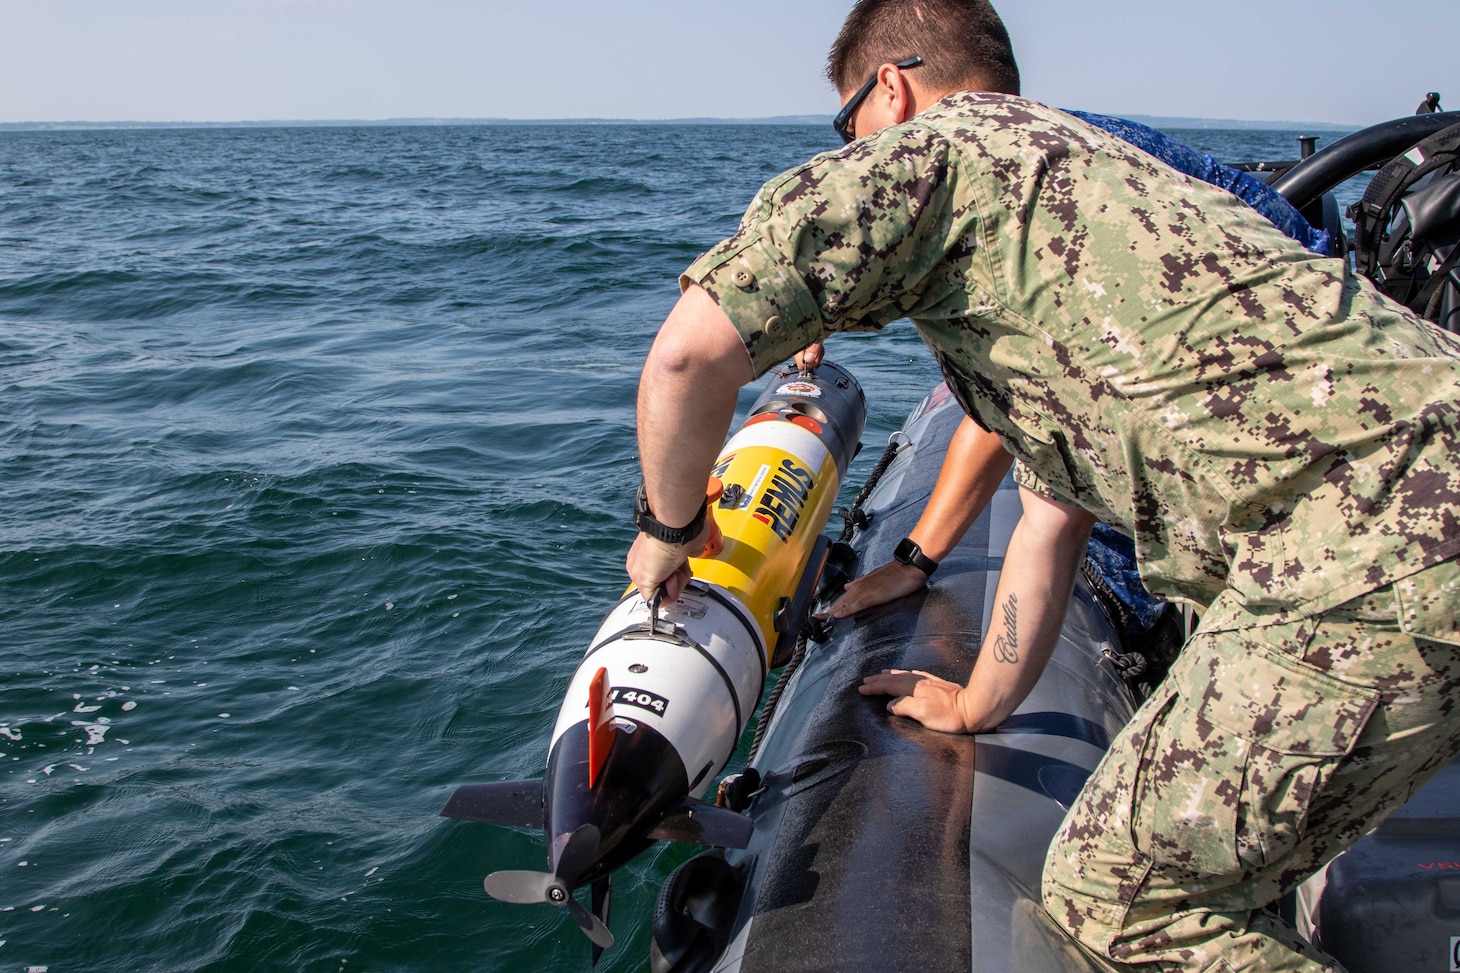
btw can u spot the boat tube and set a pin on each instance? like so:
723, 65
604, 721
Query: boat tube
1306, 182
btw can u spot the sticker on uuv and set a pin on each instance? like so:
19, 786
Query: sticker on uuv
784, 498
641, 698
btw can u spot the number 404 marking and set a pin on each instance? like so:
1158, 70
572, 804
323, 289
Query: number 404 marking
643, 699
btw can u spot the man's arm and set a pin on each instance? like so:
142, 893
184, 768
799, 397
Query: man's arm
686, 402
975, 463
1029, 609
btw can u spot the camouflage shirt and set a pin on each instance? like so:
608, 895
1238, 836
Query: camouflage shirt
1151, 349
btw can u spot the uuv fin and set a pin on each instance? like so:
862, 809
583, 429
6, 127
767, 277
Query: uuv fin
600, 725
695, 822
513, 803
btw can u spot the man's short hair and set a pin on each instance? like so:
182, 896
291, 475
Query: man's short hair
963, 44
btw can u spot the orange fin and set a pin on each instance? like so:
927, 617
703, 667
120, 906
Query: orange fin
600, 725
714, 490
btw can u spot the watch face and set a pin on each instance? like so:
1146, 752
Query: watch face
908, 552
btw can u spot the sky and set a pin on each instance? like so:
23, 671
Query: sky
209, 60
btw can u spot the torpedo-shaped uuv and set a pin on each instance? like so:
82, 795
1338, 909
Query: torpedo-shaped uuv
655, 710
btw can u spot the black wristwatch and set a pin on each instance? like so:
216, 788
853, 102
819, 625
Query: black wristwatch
644, 520
908, 552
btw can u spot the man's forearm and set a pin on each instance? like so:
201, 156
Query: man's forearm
686, 401
687, 396
1029, 610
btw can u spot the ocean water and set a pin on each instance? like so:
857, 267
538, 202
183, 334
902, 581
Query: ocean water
316, 458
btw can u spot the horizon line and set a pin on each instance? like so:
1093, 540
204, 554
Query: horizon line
1156, 121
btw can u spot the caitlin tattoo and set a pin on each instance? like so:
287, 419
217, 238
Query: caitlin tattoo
1006, 646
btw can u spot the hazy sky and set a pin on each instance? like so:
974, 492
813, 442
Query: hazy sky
211, 60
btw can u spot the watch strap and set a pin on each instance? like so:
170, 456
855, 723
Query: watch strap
647, 524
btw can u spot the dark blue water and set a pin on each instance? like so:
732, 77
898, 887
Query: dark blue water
316, 455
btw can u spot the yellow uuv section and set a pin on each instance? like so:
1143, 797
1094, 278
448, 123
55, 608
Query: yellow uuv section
781, 483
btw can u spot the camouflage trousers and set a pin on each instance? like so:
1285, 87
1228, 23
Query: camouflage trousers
1273, 744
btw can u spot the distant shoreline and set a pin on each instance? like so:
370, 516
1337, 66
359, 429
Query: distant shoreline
1155, 121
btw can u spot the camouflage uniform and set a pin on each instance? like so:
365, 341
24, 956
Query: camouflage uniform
1280, 441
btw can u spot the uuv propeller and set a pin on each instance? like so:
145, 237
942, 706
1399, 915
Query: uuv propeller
664, 692
556, 887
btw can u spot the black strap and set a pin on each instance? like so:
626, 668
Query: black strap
1429, 298
645, 520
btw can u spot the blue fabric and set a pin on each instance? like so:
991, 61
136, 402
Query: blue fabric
1183, 158
1114, 556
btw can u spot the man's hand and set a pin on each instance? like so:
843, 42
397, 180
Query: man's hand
935, 703
810, 356
889, 582
652, 563
971, 471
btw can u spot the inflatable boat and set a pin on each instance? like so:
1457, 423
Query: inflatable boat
880, 845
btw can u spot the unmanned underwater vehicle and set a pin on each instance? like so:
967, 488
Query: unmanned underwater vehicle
657, 706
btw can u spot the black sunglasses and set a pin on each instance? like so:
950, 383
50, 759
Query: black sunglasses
843, 120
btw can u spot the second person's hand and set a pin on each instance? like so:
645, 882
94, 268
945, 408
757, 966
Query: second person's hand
889, 582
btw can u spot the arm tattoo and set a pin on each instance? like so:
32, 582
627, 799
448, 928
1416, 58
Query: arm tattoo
1006, 645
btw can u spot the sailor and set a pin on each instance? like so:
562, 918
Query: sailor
1430, 105
1282, 443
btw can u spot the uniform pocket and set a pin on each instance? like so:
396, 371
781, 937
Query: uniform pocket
1254, 738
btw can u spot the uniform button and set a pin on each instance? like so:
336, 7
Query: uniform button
742, 278
775, 327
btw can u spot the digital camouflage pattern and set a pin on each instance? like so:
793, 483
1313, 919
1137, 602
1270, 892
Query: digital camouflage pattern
1151, 348
1267, 750
1282, 443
